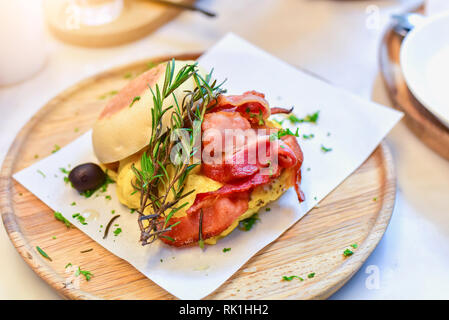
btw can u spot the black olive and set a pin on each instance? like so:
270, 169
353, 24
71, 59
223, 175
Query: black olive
87, 176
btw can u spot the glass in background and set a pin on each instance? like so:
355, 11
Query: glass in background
22, 40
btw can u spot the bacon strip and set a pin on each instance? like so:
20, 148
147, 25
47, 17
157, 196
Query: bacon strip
220, 209
218, 215
293, 144
251, 105
240, 176
223, 206
277, 110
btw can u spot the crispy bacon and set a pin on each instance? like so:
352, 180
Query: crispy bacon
277, 110
251, 105
240, 175
241, 164
293, 144
218, 215
218, 125
220, 209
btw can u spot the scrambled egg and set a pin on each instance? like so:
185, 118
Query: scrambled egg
127, 195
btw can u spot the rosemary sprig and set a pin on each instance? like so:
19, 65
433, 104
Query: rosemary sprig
159, 175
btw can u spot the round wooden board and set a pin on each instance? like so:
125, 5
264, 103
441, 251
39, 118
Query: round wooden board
358, 211
428, 128
137, 19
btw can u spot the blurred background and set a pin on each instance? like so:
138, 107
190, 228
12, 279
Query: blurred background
49, 45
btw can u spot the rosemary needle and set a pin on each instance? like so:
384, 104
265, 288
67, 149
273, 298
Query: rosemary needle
184, 6
43, 253
109, 225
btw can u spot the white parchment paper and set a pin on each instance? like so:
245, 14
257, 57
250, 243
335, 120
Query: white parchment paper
350, 126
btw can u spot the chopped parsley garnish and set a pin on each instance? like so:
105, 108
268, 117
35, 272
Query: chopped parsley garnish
56, 148
290, 278
41, 173
68, 265
132, 210
113, 211
73, 203
128, 75
137, 98
151, 65
311, 275
308, 136
117, 231
226, 249
54, 237
355, 245
107, 181
348, 253
64, 170
43, 253
88, 193
103, 187
375, 199
248, 223
261, 121
87, 274
80, 218
267, 209
280, 122
311, 118
59, 216
324, 149
36, 156
283, 132
252, 115
76, 129
108, 94
294, 119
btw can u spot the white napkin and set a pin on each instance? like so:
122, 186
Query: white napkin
348, 125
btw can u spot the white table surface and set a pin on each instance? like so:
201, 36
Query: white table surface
336, 40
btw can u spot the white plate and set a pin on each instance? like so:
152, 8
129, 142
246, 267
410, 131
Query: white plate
424, 61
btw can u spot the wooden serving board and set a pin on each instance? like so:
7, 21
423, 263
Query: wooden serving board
138, 19
358, 211
421, 121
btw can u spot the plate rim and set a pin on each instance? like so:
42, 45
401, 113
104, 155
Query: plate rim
333, 281
404, 55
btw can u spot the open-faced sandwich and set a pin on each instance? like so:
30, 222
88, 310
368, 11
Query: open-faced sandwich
192, 161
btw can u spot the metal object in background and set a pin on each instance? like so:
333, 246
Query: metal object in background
184, 6
406, 22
